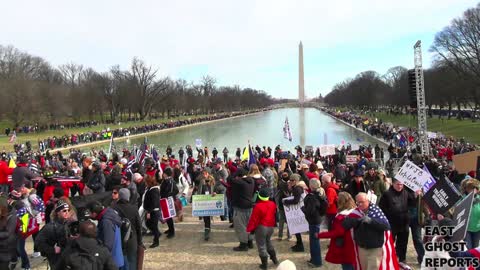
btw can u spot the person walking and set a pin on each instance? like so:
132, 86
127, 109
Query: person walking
242, 194
262, 222
206, 187
151, 205
168, 188
297, 190
314, 211
86, 252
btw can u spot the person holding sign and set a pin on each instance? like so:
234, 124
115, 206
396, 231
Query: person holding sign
297, 189
151, 204
206, 187
262, 222
473, 231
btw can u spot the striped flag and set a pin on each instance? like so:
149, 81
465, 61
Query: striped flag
389, 256
13, 138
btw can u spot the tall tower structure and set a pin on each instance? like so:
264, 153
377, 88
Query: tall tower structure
301, 86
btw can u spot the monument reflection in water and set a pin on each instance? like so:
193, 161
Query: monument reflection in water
309, 126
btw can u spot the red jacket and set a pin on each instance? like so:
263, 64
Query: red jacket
331, 193
336, 253
5, 171
263, 214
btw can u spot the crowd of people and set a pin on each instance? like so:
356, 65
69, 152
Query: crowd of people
105, 134
116, 202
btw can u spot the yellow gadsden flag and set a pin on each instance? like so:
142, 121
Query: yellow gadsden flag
11, 163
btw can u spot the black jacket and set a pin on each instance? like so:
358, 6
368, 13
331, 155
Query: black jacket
297, 192
8, 237
311, 208
70, 259
282, 192
395, 206
54, 233
367, 233
96, 182
354, 189
20, 175
242, 192
129, 211
151, 202
167, 188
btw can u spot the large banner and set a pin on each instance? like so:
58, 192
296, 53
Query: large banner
412, 176
296, 221
167, 207
461, 216
208, 205
467, 162
442, 196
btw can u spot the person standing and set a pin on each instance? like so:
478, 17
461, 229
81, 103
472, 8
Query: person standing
168, 188
225, 154
206, 187
151, 205
297, 190
332, 197
313, 210
262, 222
341, 247
5, 171
86, 245
369, 225
242, 194
52, 238
395, 203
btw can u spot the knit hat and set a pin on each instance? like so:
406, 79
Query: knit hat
124, 194
61, 204
295, 177
263, 194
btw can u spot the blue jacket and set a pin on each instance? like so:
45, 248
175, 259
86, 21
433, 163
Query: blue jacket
109, 223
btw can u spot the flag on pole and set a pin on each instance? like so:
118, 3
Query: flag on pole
287, 134
248, 155
389, 259
11, 163
13, 138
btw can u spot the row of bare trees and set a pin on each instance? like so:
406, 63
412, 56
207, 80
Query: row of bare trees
452, 81
33, 91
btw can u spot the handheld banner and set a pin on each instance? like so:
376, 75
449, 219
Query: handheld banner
295, 218
412, 176
208, 205
167, 205
461, 216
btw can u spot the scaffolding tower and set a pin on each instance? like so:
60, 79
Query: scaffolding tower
421, 107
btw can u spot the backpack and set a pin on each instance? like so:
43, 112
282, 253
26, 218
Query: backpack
125, 229
81, 260
323, 205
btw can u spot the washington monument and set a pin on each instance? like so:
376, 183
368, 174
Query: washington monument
301, 86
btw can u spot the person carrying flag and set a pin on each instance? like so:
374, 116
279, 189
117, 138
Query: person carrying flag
374, 247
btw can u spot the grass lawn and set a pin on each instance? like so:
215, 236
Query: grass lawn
453, 127
34, 137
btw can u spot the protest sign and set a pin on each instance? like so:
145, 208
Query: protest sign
461, 216
327, 150
167, 205
295, 218
351, 159
442, 196
467, 162
412, 176
207, 205
198, 142
430, 182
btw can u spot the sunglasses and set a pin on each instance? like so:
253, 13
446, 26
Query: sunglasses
64, 211
115, 192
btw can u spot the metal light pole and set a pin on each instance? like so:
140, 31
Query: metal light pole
421, 107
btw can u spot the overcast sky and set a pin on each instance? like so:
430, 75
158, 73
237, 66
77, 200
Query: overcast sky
249, 43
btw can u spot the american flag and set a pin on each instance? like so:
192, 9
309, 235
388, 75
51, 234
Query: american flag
389, 256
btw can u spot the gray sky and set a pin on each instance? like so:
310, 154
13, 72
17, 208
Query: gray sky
249, 43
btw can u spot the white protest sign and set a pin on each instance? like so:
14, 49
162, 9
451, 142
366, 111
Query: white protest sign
295, 218
198, 142
412, 176
327, 150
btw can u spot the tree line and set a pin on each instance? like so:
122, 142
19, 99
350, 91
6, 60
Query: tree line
453, 81
34, 91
